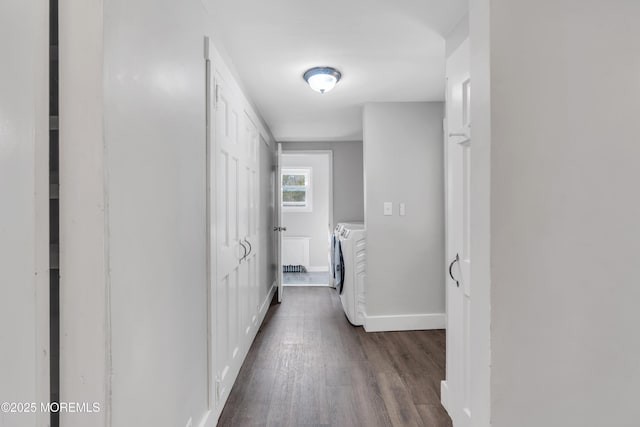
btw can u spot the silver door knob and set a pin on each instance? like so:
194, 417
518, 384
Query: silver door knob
456, 259
244, 254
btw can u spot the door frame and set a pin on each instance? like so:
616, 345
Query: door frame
284, 152
480, 71
277, 222
210, 214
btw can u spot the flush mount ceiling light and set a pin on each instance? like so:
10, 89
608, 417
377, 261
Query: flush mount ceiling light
322, 79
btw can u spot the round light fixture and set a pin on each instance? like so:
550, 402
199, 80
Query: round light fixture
322, 79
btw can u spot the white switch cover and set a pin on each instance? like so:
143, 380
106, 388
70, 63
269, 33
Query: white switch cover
388, 208
402, 209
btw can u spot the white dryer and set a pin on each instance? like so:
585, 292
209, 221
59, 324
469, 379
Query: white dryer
333, 239
354, 253
351, 225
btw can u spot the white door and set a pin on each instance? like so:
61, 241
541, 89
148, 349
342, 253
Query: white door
458, 154
249, 225
230, 247
278, 228
235, 230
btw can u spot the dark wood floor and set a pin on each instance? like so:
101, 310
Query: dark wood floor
309, 366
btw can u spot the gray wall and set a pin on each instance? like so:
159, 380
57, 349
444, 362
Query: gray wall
403, 152
565, 206
348, 187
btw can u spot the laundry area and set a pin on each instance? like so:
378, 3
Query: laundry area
381, 241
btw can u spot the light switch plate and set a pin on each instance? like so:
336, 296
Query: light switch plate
403, 211
388, 208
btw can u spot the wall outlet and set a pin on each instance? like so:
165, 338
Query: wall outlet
403, 211
388, 208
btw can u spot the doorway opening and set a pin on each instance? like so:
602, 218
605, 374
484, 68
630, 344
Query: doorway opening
307, 216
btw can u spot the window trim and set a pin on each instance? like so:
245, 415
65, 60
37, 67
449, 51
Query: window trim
307, 171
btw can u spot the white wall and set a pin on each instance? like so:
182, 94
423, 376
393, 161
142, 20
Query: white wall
155, 146
565, 236
403, 162
84, 352
348, 175
314, 224
133, 212
457, 36
24, 215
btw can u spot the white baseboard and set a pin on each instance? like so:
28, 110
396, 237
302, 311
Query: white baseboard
318, 269
405, 322
266, 303
210, 419
444, 395
207, 420
307, 284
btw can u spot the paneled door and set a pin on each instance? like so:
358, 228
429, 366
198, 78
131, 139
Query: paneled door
249, 225
231, 230
458, 154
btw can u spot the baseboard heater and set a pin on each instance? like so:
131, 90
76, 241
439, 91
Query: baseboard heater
294, 269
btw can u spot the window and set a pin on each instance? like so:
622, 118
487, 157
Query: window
296, 189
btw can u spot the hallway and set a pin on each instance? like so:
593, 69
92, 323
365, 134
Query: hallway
309, 366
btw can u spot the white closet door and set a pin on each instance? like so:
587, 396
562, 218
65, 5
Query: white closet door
458, 144
229, 248
249, 223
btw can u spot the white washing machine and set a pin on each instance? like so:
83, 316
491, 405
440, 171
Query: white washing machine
350, 225
332, 239
354, 253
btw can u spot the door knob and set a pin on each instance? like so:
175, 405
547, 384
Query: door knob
456, 259
244, 255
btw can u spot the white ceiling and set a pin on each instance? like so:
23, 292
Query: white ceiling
387, 50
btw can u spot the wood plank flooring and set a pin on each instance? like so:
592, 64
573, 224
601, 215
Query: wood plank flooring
308, 366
